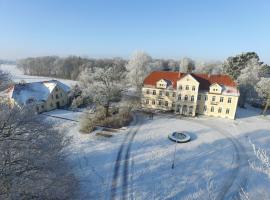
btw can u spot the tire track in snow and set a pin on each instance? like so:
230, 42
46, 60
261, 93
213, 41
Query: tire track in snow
126, 166
238, 178
120, 158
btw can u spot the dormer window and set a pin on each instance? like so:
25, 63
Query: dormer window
147, 91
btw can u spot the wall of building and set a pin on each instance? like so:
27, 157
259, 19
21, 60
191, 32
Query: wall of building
57, 99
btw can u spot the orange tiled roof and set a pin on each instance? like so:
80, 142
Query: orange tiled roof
205, 80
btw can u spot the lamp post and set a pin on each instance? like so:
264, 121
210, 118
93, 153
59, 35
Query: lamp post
174, 155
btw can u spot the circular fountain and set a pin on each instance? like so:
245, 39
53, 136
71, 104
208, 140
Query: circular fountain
179, 137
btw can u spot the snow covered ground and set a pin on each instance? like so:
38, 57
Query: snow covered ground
214, 165
18, 76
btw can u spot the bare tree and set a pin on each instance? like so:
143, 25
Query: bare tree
187, 65
32, 160
263, 89
139, 66
104, 85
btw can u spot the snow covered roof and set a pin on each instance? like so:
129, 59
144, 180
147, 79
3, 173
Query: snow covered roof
34, 92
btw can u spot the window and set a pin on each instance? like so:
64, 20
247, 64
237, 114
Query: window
166, 103
167, 94
57, 97
192, 98
187, 87
147, 101
56, 89
199, 97
212, 109
229, 100
205, 98
173, 105
186, 98
159, 103
42, 106
221, 99
147, 91
160, 93
173, 94
51, 105
193, 88
153, 102
227, 111
205, 108
180, 87
154, 92
61, 94
213, 98
179, 97
219, 110
52, 96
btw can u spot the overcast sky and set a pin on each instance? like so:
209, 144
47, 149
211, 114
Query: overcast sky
200, 29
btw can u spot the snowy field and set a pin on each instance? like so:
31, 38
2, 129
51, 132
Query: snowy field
137, 163
18, 76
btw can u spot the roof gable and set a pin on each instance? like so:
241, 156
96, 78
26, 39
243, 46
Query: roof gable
205, 80
36, 91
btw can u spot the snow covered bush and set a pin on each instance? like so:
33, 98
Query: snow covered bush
32, 160
263, 89
264, 160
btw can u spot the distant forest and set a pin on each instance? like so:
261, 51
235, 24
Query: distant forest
71, 67
67, 68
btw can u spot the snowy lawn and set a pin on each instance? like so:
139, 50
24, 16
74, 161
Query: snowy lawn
213, 165
18, 76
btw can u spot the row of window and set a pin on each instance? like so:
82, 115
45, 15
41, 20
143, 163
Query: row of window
219, 110
221, 99
193, 88
167, 93
159, 102
56, 96
166, 103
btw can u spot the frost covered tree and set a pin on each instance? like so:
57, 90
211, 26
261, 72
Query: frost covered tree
233, 65
248, 78
103, 85
5, 80
187, 65
214, 67
32, 160
138, 67
263, 89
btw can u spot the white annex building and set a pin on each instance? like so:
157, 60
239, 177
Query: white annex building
45, 95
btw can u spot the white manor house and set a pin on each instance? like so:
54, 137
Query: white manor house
190, 94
